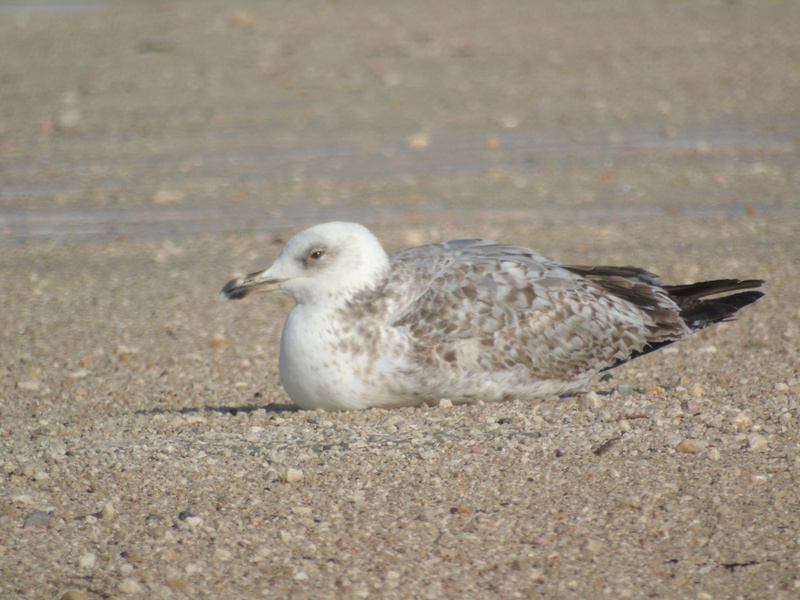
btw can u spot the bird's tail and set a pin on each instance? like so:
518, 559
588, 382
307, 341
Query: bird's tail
699, 312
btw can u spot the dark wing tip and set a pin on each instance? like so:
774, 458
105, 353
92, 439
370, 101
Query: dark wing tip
699, 313
709, 288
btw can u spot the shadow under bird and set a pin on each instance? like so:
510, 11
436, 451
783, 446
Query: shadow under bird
465, 320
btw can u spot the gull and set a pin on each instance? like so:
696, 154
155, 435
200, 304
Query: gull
465, 320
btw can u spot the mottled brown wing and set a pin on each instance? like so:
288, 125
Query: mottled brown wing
493, 306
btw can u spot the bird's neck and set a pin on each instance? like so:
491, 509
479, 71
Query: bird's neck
347, 285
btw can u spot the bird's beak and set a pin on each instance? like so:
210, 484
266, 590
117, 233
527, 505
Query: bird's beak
242, 286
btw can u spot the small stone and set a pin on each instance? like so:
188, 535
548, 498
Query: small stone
593, 547
697, 391
293, 475
591, 401
69, 114
426, 515
8, 511
688, 447
131, 557
78, 374
759, 479
714, 454
492, 142
538, 576
242, 19
37, 518
190, 519
218, 340
540, 540
419, 141
780, 386
129, 586
756, 441
31, 385
301, 510
704, 596
625, 389
68, 120
427, 453
742, 420
392, 421
392, 79
123, 353
445, 403
689, 405
509, 121
176, 583
43, 431
168, 196
606, 446
73, 595
518, 565
108, 511
223, 554
193, 521
87, 561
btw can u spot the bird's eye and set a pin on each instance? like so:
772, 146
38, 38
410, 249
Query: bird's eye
316, 254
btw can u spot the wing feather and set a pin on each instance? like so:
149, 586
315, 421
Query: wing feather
478, 305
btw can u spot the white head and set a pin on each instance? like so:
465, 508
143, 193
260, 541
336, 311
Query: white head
319, 264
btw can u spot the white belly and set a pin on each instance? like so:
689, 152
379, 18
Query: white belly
322, 367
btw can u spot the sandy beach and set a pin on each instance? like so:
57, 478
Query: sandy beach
149, 152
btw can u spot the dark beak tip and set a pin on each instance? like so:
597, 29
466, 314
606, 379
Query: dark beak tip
238, 288
232, 291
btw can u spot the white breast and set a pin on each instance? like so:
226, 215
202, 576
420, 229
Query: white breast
321, 367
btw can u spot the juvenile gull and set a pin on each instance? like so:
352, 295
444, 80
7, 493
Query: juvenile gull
465, 320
